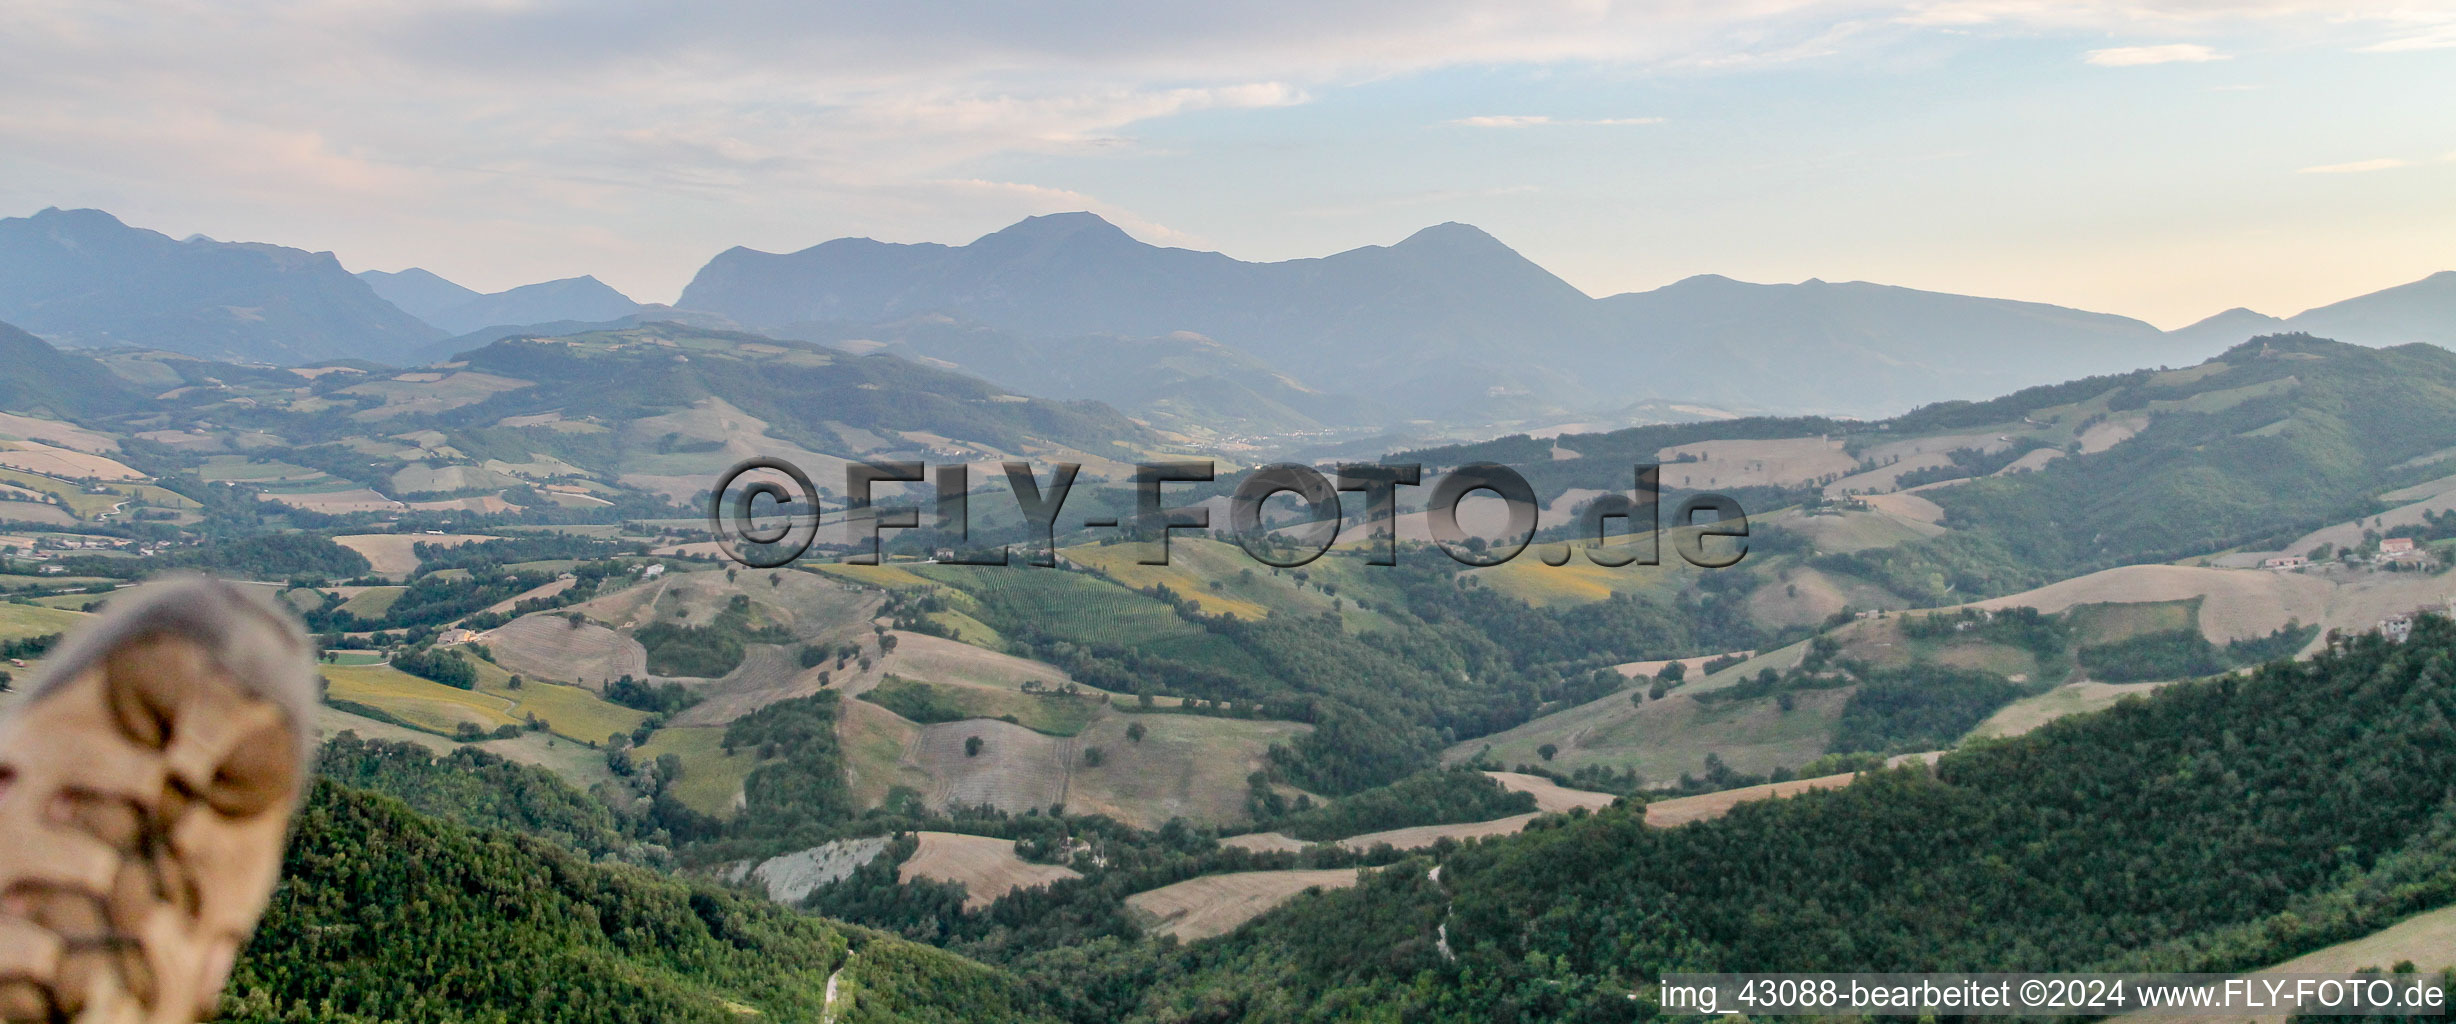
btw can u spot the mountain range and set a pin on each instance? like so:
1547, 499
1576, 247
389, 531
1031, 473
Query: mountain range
82, 278
1448, 327
459, 310
1452, 323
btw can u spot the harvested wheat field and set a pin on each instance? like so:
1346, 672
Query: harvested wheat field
987, 868
1185, 766
1016, 769
768, 673
1696, 666
1199, 908
2111, 432
1682, 810
65, 435
1265, 842
1663, 738
336, 503
549, 646
2428, 939
1885, 479
930, 659
1551, 796
1422, 836
2388, 523
2069, 699
65, 463
1907, 506
1839, 531
2238, 603
393, 554
1787, 462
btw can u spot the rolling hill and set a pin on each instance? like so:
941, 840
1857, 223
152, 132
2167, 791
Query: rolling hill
44, 380
2186, 831
2418, 311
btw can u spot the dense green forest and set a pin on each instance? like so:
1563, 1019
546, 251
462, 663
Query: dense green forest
385, 914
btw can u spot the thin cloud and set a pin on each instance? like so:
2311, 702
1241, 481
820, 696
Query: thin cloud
2357, 167
2140, 56
2439, 37
1543, 121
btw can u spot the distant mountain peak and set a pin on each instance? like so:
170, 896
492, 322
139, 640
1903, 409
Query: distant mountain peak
85, 278
1057, 228
1451, 235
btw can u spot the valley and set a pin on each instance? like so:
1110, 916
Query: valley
1019, 774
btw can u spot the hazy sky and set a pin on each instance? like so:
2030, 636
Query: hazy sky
2162, 158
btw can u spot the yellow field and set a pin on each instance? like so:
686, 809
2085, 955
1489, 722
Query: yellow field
711, 782
420, 702
1578, 581
569, 711
1120, 562
566, 710
18, 621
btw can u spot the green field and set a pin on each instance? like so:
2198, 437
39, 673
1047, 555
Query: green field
72, 496
2107, 623
373, 602
710, 780
241, 469
50, 582
1052, 714
70, 602
422, 703
18, 621
1088, 610
568, 711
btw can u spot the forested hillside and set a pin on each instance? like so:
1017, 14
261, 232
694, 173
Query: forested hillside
2215, 826
388, 915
